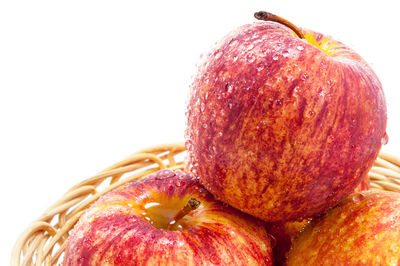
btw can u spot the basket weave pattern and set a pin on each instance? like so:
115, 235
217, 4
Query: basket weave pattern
44, 241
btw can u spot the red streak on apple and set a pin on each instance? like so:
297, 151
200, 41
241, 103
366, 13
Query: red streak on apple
118, 229
363, 230
283, 128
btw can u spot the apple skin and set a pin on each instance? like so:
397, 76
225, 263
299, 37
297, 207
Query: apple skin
364, 185
363, 230
112, 231
280, 127
284, 233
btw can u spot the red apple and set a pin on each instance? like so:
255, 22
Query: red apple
363, 230
282, 127
284, 233
148, 222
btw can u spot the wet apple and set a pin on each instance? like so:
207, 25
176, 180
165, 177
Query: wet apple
284, 233
283, 123
364, 229
166, 219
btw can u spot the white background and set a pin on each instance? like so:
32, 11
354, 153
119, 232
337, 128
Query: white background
83, 84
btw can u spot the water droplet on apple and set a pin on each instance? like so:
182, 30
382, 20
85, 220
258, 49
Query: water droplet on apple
220, 134
163, 174
272, 239
202, 107
179, 183
235, 58
251, 58
118, 259
304, 77
150, 205
330, 139
228, 87
277, 103
87, 242
204, 125
260, 66
250, 154
310, 114
322, 94
215, 259
300, 48
233, 43
357, 197
251, 46
275, 57
262, 124
218, 55
285, 53
385, 139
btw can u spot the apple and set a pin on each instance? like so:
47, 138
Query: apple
284, 233
363, 230
167, 218
281, 125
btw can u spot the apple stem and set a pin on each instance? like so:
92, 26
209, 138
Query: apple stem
262, 15
190, 206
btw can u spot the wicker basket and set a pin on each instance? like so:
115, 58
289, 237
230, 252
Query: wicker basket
44, 241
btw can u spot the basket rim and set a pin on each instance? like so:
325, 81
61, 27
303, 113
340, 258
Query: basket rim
46, 237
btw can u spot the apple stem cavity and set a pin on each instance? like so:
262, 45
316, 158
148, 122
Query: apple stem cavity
265, 16
189, 207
